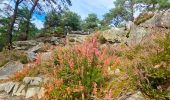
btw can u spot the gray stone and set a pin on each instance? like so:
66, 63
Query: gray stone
32, 92
31, 56
15, 88
136, 96
9, 86
36, 48
33, 80
137, 34
10, 68
117, 72
115, 35
161, 19
20, 91
24, 45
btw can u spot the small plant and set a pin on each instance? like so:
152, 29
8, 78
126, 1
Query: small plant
102, 40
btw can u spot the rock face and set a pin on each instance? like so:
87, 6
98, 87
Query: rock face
136, 96
32, 91
9, 69
33, 80
24, 45
115, 35
27, 89
136, 34
158, 20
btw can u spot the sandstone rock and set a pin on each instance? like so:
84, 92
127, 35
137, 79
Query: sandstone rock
115, 35
31, 56
33, 80
36, 48
158, 20
137, 34
10, 68
9, 86
15, 88
117, 72
136, 96
32, 92
41, 93
24, 45
20, 91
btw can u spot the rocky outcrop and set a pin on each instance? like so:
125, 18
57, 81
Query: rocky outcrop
9, 69
30, 87
24, 45
158, 20
115, 35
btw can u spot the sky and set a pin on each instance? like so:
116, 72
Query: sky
84, 7
81, 7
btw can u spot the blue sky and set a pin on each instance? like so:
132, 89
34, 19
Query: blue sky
84, 7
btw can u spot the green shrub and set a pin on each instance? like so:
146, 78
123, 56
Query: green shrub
15, 55
153, 71
102, 40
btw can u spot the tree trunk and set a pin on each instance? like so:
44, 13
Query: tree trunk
11, 26
132, 10
29, 18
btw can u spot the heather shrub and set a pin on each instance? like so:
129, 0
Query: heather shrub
153, 71
82, 71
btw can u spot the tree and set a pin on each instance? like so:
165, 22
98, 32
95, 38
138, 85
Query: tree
50, 3
52, 19
12, 22
91, 22
21, 23
124, 11
72, 20
4, 23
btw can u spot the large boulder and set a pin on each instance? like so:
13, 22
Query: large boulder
24, 45
158, 20
115, 35
9, 69
136, 34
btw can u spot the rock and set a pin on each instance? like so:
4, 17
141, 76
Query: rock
117, 72
9, 86
24, 45
32, 92
36, 48
15, 88
115, 35
158, 20
33, 80
46, 56
137, 34
20, 91
10, 68
41, 93
136, 96
31, 56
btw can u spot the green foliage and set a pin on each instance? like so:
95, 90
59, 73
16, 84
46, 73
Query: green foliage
154, 71
91, 22
14, 55
78, 80
102, 40
72, 20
